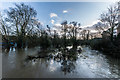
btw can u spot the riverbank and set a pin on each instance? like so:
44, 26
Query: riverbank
107, 47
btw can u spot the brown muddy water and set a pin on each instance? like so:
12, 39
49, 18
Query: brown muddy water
90, 64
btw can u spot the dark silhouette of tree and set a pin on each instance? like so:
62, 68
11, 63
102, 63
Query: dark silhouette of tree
21, 17
88, 34
75, 31
83, 32
110, 17
64, 28
4, 30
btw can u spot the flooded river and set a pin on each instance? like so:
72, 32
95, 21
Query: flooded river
90, 64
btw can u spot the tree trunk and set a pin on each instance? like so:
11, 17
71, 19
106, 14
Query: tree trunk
112, 34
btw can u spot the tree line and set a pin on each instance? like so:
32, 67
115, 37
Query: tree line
20, 25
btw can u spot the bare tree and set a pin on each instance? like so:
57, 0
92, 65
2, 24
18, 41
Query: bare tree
21, 17
74, 30
110, 17
88, 34
83, 32
4, 29
64, 28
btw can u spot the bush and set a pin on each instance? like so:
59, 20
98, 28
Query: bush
45, 42
106, 46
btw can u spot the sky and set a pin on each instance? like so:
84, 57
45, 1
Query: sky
53, 13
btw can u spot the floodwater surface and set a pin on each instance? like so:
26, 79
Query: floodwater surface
90, 64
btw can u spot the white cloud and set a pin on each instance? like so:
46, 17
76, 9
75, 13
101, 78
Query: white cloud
53, 15
58, 25
52, 21
94, 22
92, 27
65, 11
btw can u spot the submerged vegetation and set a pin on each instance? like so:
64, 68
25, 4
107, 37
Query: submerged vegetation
28, 31
62, 48
20, 28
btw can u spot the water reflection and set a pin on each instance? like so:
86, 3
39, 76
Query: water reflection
67, 66
88, 64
